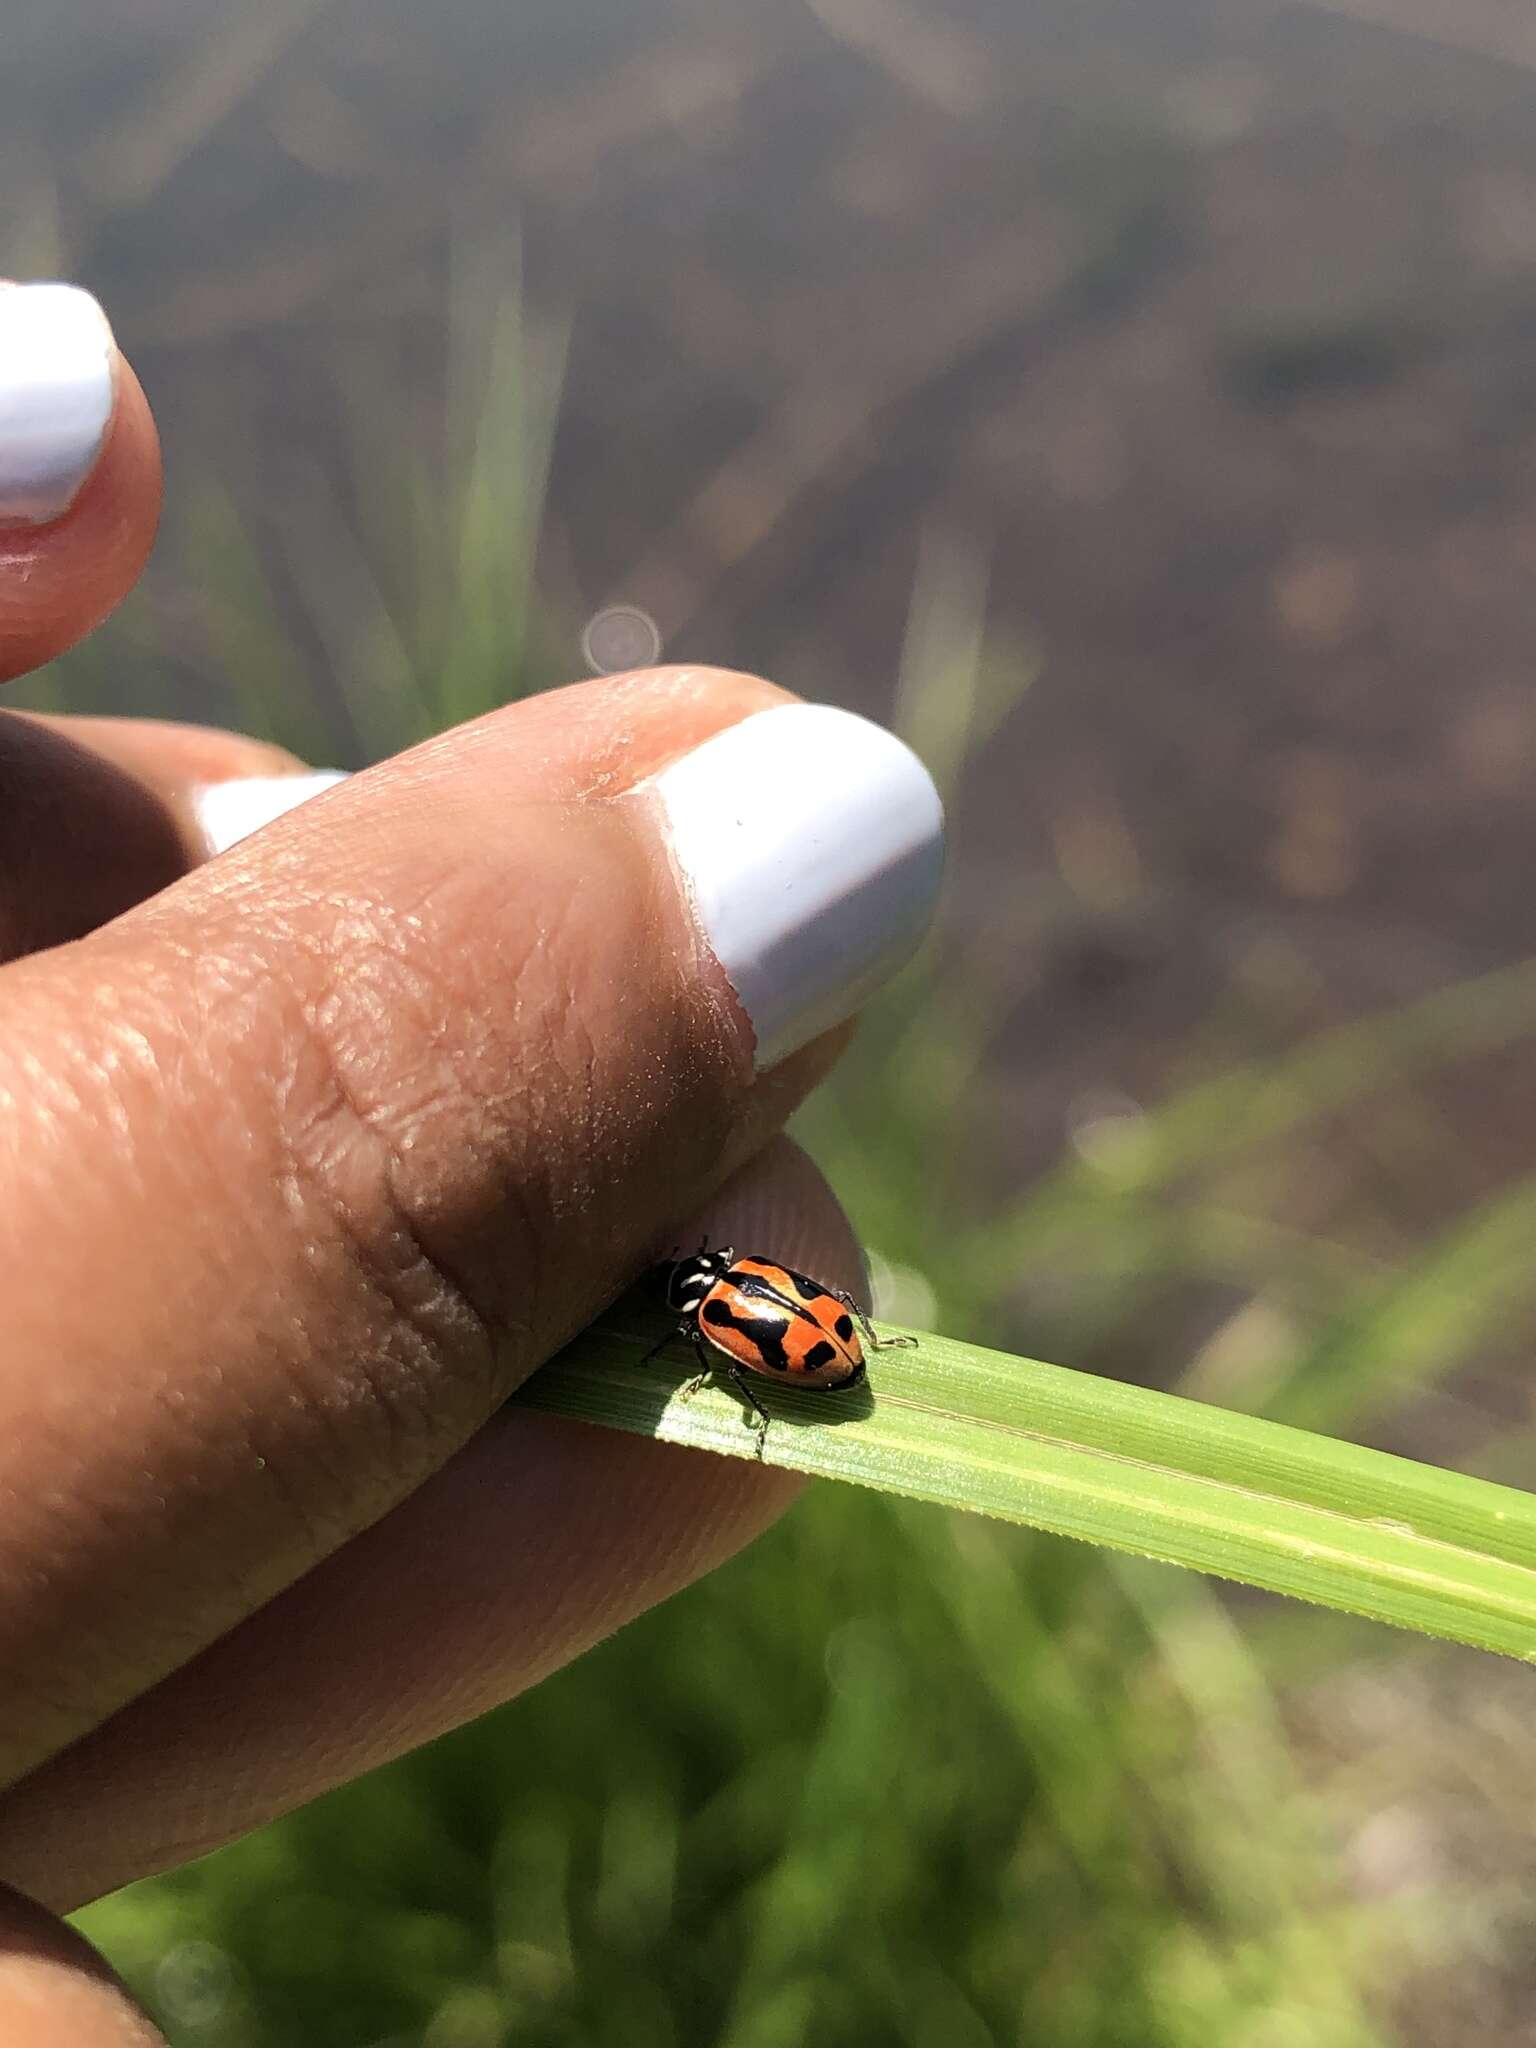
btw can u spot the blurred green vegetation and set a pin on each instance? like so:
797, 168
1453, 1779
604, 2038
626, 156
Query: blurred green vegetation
886, 1779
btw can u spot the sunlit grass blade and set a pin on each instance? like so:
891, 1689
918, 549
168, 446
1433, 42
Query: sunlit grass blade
1122, 1466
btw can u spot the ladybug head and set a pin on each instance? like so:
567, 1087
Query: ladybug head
689, 1280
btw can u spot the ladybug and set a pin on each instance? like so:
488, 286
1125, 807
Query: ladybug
766, 1318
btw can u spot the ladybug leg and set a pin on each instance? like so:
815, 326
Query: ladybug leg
682, 1330
738, 1380
878, 1343
708, 1368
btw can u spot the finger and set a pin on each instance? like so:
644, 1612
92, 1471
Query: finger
56, 1992
81, 841
79, 473
177, 761
538, 1539
313, 1156
97, 814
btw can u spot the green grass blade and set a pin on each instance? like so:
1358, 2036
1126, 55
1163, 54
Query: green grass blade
1126, 1467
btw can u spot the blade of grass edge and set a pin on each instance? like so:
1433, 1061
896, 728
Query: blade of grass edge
1125, 1467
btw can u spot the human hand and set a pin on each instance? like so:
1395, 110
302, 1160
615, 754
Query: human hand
313, 1151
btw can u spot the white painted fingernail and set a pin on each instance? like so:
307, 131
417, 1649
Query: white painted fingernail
812, 844
231, 811
57, 370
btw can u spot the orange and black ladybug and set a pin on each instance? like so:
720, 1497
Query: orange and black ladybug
765, 1318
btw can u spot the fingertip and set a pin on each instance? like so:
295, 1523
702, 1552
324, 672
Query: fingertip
80, 476
214, 785
811, 845
58, 373
172, 756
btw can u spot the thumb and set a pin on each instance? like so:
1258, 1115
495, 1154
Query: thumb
313, 1157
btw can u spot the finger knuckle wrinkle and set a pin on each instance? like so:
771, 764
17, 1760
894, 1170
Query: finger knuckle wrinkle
365, 1187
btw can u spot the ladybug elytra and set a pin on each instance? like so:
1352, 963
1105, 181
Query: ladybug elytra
763, 1317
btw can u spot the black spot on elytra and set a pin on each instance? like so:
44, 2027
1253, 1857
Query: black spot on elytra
808, 1290
762, 1283
844, 1327
767, 1333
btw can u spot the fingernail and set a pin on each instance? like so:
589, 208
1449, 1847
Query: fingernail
228, 812
57, 360
812, 844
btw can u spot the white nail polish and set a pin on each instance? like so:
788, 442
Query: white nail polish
230, 811
812, 843
57, 368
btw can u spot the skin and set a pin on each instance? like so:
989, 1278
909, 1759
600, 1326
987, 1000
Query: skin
309, 1156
